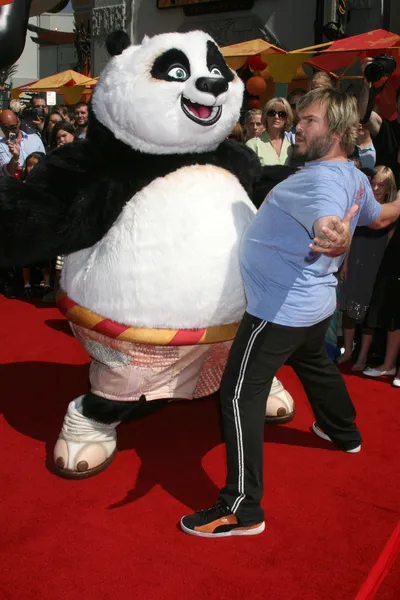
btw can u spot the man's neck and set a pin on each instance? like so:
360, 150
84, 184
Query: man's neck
81, 128
336, 155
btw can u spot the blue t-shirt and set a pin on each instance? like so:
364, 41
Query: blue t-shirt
285, 281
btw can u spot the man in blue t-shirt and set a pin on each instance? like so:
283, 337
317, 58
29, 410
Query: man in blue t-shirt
288, 258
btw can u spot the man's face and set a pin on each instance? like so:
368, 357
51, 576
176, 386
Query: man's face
313, 140
81, 116
293, 106
254, 127
10, 125
41, 104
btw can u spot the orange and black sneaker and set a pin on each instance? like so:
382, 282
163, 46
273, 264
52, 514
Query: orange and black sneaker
217, 521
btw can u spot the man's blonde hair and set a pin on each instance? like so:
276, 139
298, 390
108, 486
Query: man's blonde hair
342, 113
274, 104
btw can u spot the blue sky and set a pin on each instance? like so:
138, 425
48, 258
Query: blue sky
68, 8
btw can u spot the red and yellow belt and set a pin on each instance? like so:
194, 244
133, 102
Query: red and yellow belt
142, 335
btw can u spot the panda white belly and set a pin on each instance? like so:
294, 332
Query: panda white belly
171, 260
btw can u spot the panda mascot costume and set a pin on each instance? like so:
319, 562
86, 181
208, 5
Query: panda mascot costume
149, 211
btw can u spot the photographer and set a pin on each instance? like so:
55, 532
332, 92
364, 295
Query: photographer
38, 111
16, 145
385, 133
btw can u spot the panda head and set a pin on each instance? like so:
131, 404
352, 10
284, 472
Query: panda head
172, 94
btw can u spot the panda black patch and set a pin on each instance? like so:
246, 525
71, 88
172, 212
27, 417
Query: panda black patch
173, 65
216, 60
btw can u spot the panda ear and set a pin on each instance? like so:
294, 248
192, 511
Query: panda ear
116, 42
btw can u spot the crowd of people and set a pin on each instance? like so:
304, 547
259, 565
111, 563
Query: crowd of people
367, 328
367, 323
28, 133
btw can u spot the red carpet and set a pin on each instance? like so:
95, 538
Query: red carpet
330, 516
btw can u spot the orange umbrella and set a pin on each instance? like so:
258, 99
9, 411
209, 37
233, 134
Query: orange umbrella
237, 55
69, 83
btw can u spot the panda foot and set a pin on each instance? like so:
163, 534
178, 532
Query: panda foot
85, 447
280, 405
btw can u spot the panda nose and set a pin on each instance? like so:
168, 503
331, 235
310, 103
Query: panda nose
212, 85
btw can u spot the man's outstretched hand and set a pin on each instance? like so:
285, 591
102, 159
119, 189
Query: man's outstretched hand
333, 235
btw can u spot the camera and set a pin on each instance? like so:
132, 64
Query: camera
381, 66
12, 136
33, 114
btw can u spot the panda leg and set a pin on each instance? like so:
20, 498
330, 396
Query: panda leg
280, 405
87, 443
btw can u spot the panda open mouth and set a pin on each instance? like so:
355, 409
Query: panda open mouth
203, 115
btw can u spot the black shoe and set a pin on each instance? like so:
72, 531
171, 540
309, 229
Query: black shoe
46, 289
28, 293
10, 291
217, 521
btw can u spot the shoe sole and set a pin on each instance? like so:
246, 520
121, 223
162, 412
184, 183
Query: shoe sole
236, 532
280, 420
323, 436
70, 474
377, 374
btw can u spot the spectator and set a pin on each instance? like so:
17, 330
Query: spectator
385, 133
31, 162
272, 146
38, 101
62, 109
62, 133
38, 104
237, 133
253, 123
360, 269
81, 120
293, 98
365, 150
384, 311
17, 107
320, 79
16, 146
51, 120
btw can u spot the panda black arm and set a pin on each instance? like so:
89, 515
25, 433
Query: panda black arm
271, 176
61, 208
240, 160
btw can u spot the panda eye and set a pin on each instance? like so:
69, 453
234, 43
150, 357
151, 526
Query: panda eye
216, 71
178, 73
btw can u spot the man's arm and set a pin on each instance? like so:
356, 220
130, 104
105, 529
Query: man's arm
389, 214
10, 169
374, 122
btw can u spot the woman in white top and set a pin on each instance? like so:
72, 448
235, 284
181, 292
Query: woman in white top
272, 146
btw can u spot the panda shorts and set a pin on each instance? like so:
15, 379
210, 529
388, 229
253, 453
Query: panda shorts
125, 371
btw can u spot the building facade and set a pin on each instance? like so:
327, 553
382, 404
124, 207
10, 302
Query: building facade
39, 61
288, 23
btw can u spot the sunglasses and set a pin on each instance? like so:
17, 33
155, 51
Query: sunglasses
281, 114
